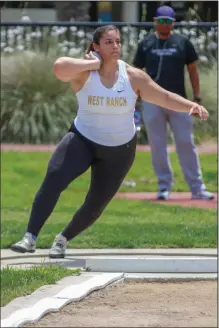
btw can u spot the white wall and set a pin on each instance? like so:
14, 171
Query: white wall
37, 15
130, 11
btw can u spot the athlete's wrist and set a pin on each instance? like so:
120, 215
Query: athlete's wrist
92, 64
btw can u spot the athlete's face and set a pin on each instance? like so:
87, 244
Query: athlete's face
109, 45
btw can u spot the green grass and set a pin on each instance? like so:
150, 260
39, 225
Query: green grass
124, 223
28, 169
22, 282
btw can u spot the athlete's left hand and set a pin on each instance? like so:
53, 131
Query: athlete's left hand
199, 111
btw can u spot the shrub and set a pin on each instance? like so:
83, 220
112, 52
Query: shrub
36, 107
208, 86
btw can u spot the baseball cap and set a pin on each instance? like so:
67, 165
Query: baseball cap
165, 12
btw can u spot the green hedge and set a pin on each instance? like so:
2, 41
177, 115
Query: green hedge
37, 108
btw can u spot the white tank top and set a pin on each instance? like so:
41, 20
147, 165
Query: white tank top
106, 116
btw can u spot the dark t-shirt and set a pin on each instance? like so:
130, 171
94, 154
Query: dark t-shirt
177, 51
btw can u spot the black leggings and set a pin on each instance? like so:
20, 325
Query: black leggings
72, 157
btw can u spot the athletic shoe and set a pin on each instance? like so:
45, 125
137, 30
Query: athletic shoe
58, 248
27, 244
204, 194
163, 194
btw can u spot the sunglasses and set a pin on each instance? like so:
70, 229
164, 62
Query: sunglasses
164, 21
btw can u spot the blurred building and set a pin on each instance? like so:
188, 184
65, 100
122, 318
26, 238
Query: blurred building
133, 11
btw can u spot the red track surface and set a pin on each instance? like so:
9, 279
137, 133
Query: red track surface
211, 148
176, 198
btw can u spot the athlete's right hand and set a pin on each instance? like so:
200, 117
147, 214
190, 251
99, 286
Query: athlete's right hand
91, 56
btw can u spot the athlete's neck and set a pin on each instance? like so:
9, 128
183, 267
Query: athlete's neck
109, 69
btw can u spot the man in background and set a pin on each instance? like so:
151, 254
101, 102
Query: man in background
164, 55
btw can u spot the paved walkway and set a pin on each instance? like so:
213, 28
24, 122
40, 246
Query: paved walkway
75, 258
7, 254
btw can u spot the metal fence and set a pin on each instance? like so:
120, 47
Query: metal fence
72, 38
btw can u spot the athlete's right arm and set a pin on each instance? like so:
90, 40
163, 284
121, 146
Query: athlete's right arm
67, 68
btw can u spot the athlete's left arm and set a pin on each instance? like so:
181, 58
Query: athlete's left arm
151, 92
